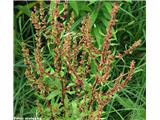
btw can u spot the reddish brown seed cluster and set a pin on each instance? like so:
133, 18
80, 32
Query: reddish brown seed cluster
119, 56
109, 30
130, 74
118, 86
28, 63
100, 105
38, 27
35, 19
105, 62
134, 46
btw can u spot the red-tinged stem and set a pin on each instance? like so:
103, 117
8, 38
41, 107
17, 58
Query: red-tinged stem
63, 92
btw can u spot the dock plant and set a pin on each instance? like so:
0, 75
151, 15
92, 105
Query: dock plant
70, 74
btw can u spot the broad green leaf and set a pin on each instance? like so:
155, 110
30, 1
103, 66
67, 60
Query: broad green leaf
75, 110
74, 5
25, 9
93, 67
66, 102
108, 6
99, 37
57, 83
107, 9
83, 6
53, 94
94, 16
104, 21
74, 105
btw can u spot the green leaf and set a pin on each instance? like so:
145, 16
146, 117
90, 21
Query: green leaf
74, 5
94, 16
52, 5
66, 102
53, 102
127, 13
80, 69
75, 110
61, 73
57, 83
139, 114
51, 51
86, 85
107, 10
83, 6
39, 96
104, 21
131, 23
93, 67
92, 2
130, 1
53, 94
25, 9
127, 103
74, 105
71, 92
98, 35
71, 84
75, 24
55, 105
108, 6
20, 24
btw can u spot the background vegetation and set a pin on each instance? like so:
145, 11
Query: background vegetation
130, 26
